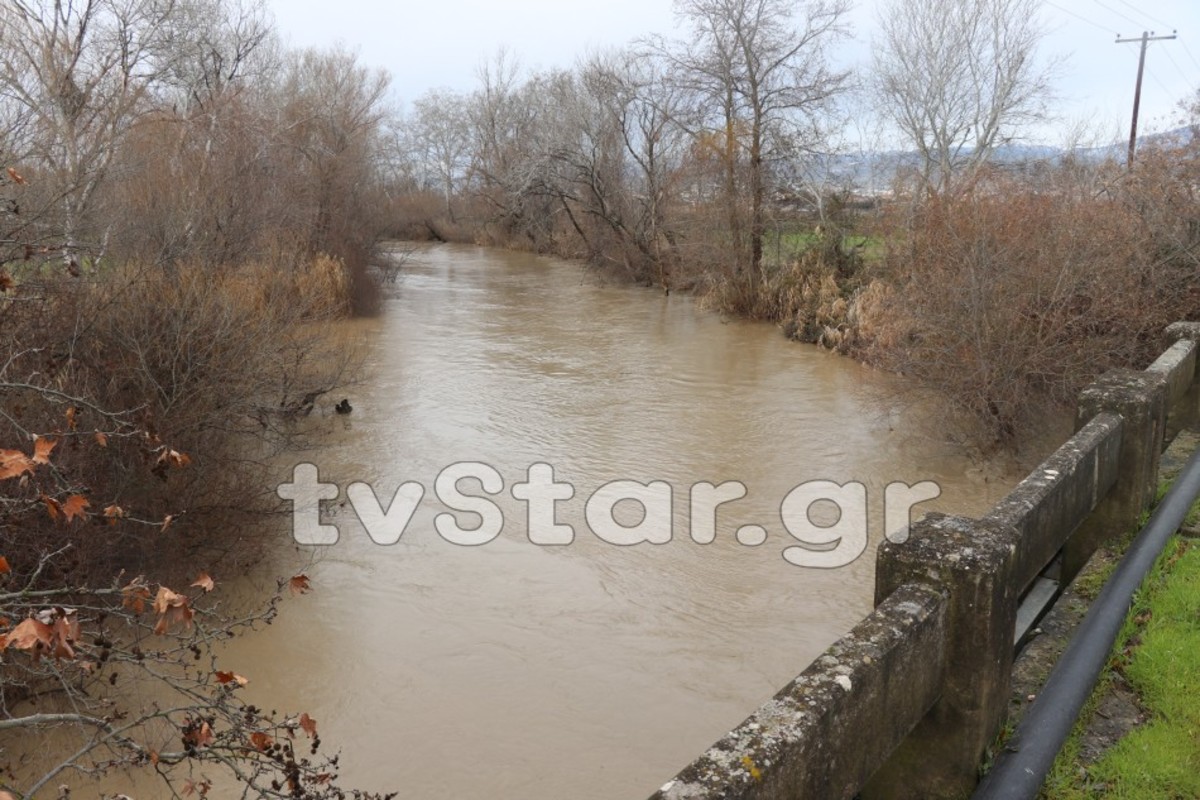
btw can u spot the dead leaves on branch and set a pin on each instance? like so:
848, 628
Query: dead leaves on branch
219, 725
135, 596
14, 463
51, 632
197, 733
42, 447
204, 581
166, 458
174, 611
231, 679
17, 464
66, 510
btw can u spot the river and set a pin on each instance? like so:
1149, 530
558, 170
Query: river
586, 670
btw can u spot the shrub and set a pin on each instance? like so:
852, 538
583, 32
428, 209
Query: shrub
1013, 296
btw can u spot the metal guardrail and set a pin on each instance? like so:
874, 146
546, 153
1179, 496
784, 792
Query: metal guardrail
1022, 767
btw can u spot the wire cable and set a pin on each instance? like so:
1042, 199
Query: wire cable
1188, 50
1187, 80
1118, 13
1153, 19
1080, 17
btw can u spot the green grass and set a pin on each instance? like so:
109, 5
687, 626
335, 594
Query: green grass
783, 246
1158, 652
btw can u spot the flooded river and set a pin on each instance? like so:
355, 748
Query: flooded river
583, 670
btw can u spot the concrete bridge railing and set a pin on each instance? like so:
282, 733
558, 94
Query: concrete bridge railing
906, 703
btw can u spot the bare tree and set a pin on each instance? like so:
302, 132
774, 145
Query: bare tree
331, 112
761, 66
440, 141
959, 79
78, 73
501, 126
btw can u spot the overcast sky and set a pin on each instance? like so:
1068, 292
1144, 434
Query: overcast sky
426, 44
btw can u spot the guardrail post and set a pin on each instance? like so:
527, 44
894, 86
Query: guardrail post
1140, 398
973, 562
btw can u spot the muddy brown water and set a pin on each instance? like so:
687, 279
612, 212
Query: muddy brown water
590, 670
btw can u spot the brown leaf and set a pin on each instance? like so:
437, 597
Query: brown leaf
204, 582
14, 463
197, 733
31, 635
134, 596
70, 415
308, 725
74, 506
6, 281
166, 523
191, 787
113, 513
171, 458
16, 177
101, 439
4, 567
42, 446
231, 677
172, 609
53, 507
66, 633
299, 584
260, 741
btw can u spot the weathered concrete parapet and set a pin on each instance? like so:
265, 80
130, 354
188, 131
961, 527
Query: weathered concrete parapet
1184, 330
1140, 398
1178, 365
824, 733
973, 561
1048, 505
1186, 412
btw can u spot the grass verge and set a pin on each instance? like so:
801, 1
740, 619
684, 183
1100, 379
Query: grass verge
1156, 662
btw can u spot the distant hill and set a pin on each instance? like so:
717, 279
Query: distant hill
871, 172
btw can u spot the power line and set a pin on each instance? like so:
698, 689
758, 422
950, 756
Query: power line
1081, 17
1179, 69
1153, 19
1188, 50
1156, 79
1118, 13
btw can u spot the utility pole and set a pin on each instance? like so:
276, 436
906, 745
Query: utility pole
1145, 39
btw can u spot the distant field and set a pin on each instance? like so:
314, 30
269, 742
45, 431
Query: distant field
779, 248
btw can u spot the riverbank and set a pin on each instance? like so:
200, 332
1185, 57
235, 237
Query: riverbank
1004, 299
140, 408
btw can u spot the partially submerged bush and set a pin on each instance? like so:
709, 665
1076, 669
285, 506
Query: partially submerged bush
125, 369
136, 409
